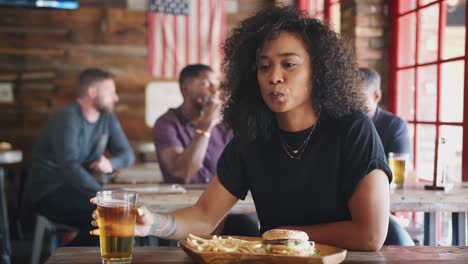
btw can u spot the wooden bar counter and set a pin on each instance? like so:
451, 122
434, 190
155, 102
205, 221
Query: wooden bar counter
169, 202
414, 199
388, 255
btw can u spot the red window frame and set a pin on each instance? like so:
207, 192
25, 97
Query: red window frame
395, 50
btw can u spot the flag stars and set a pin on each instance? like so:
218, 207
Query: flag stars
172, 7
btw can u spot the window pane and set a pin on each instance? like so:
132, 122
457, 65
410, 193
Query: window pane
450, 153
336, 17
428, 34
319, 16
452, 91
454, 30
318, 5
407, 40
405, 86
425, 148
425, 2
427, 93
316, 9
411, 136
406, 5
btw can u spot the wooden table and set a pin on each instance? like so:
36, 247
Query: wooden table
388, 255
143, 148
163, 203
415, 199
142, 173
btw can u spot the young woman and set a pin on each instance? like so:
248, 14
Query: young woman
311, 159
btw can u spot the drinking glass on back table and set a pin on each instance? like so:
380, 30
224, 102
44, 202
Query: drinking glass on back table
399, 163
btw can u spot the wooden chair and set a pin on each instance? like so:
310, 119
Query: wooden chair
44, 225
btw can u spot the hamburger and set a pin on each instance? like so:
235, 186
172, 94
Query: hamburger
288, 242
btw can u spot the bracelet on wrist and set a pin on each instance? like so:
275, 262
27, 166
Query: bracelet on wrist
203, 132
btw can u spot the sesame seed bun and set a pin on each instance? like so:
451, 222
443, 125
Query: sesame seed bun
276, 234
287, 242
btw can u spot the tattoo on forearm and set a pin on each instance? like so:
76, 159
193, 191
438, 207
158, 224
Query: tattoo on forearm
164, 226
154, 226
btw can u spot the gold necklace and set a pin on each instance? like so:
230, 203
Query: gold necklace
297, 153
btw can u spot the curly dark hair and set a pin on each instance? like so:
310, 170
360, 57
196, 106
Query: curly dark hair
335, 91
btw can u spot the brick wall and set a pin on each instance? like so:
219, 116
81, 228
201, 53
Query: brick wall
364, 23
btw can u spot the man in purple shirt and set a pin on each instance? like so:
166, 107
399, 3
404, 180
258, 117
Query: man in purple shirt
189, 139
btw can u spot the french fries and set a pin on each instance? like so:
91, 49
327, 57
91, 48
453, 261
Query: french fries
229, 244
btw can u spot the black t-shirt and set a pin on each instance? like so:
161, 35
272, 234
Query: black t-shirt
313, 190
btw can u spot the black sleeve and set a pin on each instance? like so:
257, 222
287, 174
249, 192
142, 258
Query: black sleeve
362, 153
231, 171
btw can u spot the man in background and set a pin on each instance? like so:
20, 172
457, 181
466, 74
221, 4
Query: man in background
393, 130
393, 133
190, 139
70, 148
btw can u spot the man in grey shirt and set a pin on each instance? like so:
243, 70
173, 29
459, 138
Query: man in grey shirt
70, 148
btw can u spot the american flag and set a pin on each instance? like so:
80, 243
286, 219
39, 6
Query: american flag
183, 32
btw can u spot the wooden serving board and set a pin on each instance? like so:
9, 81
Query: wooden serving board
326, 255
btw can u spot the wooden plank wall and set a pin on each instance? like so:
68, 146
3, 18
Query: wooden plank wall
48, 48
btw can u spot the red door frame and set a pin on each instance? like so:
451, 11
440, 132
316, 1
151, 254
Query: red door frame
465, 110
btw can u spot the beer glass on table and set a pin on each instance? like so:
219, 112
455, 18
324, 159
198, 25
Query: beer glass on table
399, 163
117, 212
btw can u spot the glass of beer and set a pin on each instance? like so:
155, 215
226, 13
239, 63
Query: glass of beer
117, 212
399, 164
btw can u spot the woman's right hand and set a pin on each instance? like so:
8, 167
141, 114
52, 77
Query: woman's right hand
143, 222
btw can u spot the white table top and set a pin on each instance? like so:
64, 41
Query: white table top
10, 156
149, 172
417, 198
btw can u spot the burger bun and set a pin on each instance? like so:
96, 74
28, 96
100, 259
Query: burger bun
277, 234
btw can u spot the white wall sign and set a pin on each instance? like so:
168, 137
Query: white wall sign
231, 6
6, 93
137, 4
159, 97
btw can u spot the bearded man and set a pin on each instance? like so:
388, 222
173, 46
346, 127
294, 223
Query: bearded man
70, 148
189, 139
